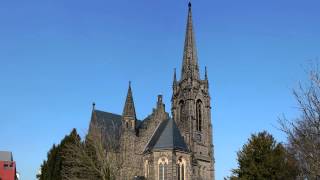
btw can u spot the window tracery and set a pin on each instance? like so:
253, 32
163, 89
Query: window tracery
181, 169
163, 168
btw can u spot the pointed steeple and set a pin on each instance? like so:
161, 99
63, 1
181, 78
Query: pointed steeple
129, 110
190, 67
93, 106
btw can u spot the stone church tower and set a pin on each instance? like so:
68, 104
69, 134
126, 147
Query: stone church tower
160, 147
191, 108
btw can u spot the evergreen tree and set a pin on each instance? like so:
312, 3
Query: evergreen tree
51, 169
71, 140
91, 159
263, 158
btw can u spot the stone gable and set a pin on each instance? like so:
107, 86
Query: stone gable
161, 147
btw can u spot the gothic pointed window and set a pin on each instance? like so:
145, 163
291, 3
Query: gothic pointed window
146, 169
181, 109
181, 172
199, 115
163, 168
161, 172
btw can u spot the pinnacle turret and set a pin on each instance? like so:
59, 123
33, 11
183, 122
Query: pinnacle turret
174, 77
205, 73
129, 110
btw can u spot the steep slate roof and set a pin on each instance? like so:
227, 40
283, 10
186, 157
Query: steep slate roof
108, 120
6, 156
167, 136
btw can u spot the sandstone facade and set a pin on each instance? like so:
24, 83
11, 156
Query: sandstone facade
161, 147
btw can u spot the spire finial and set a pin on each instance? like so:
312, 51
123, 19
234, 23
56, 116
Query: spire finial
93, 106
189, 4
160, 99
174, 75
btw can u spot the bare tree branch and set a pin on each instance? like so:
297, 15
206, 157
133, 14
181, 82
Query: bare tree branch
94, 158
304, 132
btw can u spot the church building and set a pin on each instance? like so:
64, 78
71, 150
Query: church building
162, 146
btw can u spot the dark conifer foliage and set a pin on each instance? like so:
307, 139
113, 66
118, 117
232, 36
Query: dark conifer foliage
51, 169
263, 158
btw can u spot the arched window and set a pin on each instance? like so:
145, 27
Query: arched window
146, 169
181, 169
199, 115
163, 168
181, 109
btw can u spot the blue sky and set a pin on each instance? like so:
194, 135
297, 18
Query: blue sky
57, 57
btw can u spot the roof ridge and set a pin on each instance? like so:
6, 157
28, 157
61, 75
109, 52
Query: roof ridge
97, 110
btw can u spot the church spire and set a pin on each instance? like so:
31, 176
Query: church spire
129, 110
190, 67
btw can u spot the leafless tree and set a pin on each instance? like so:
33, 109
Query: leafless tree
94, 158
304, 132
